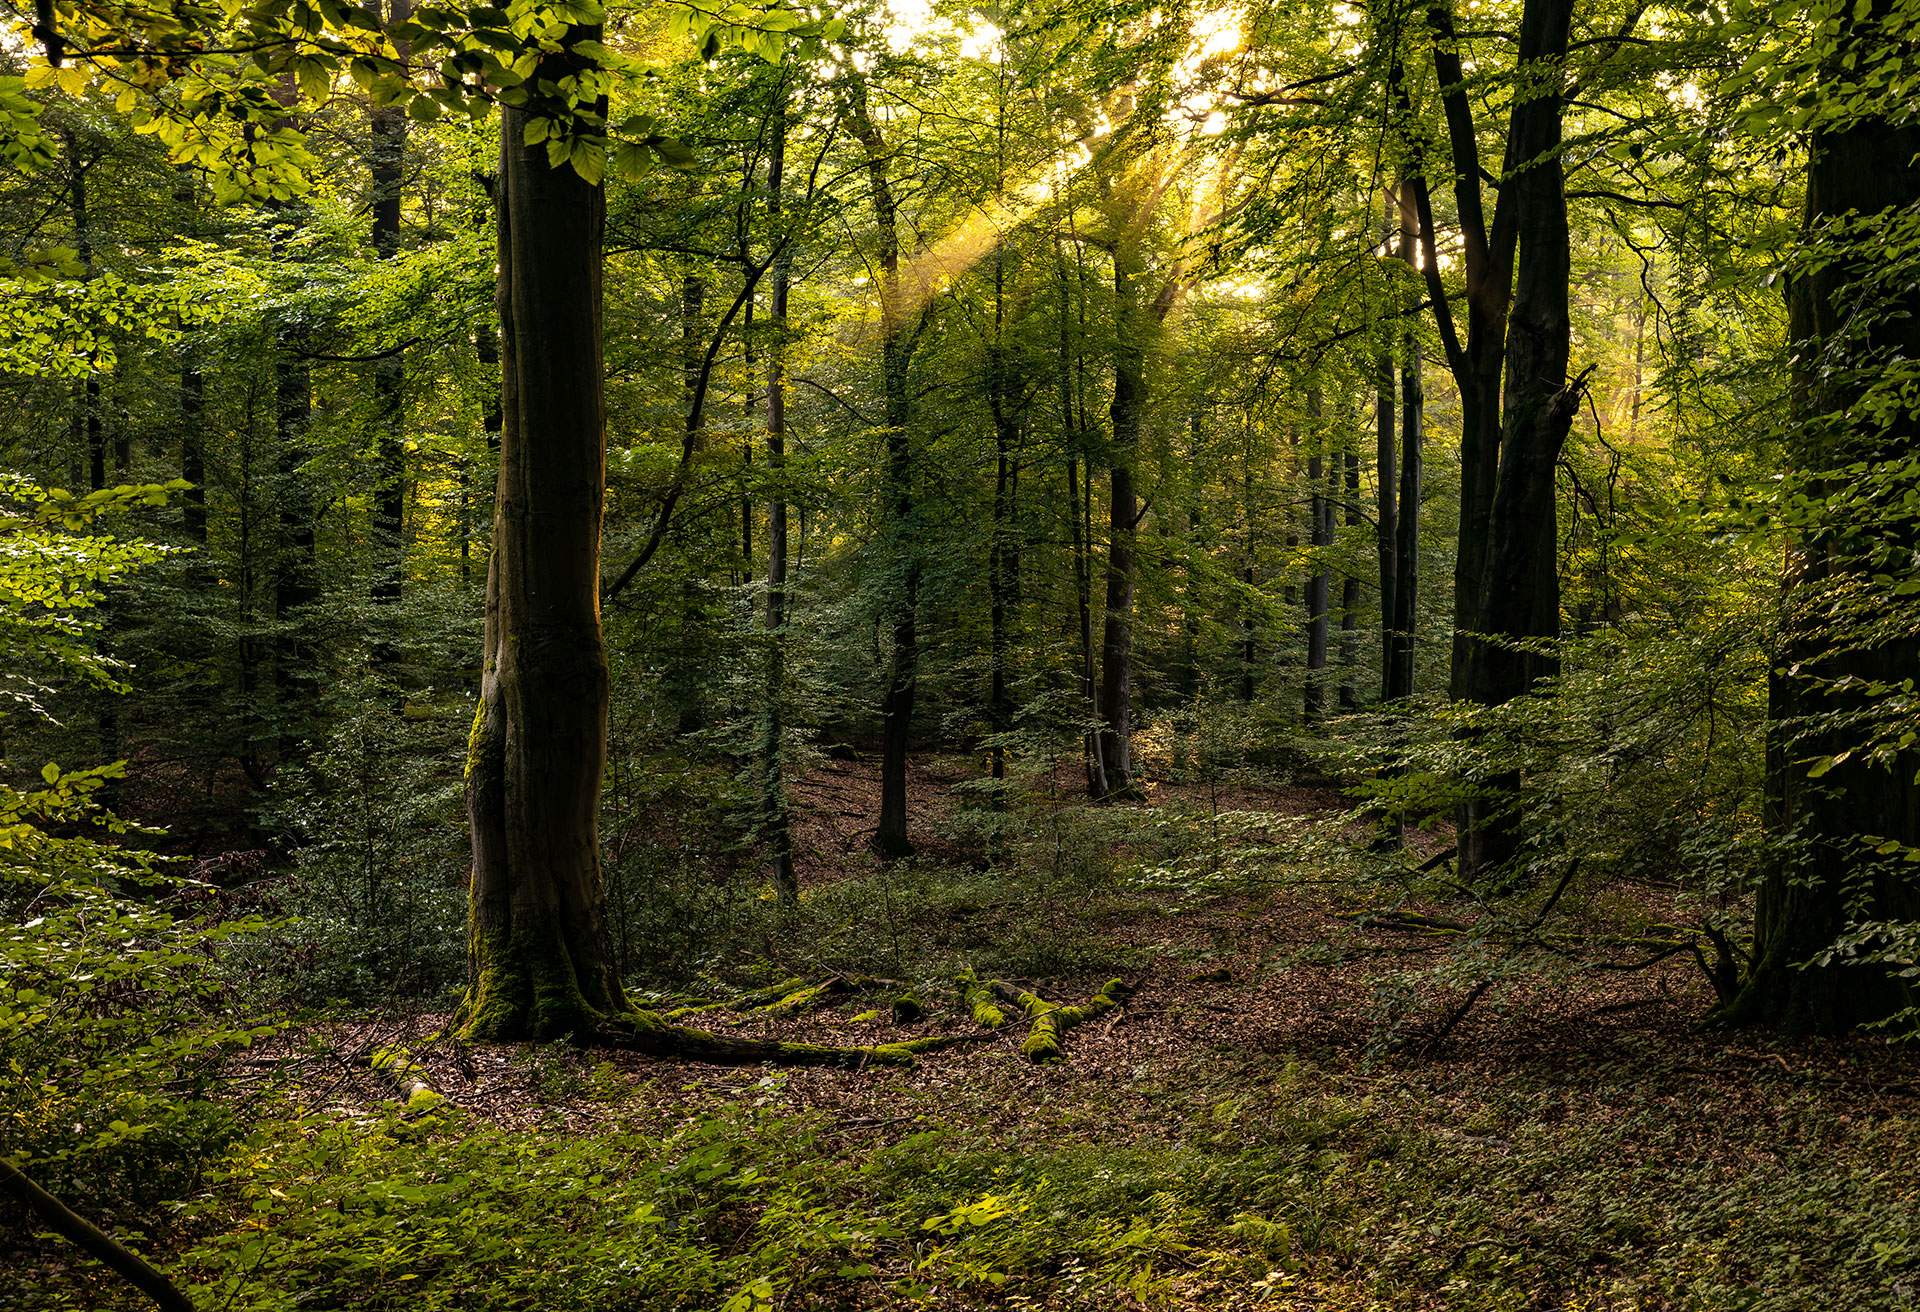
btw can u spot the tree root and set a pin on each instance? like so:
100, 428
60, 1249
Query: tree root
1051, 1020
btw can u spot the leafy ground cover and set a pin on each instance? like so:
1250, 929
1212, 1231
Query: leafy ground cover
1267, 1124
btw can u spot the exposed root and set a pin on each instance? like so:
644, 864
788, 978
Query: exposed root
1050, 1020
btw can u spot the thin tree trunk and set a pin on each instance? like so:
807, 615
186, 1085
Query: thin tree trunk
1070, 428
778, 828
1350, 593
1320, 522
1127, 411
896, 351
1406, 570
1386, 512
388, 128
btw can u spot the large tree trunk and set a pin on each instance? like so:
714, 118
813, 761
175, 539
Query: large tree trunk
1847, 325
1519, 591
539, 955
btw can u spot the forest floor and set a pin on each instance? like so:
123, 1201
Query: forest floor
1254, 1129
1262, 1126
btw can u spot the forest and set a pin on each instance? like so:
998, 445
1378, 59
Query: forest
762, 656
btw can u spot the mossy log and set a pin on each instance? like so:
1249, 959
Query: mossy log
1048, 1021
977, 995
908, 1008
400, 1069
789, 997
647, 1032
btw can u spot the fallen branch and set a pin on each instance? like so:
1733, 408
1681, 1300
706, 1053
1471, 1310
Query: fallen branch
641, 1031
978, 998
1051, 1020
92, 1240
402, 1070
1412, 921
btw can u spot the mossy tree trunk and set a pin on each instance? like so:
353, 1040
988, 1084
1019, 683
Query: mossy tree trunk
540, 961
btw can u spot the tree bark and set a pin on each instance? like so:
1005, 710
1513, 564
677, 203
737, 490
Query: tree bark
1847, 324
388, 132
1406, 593
778, 828
540, 962
1127, 411
1386, 511
93, 1241
896, 353
1350, 592
1320, 530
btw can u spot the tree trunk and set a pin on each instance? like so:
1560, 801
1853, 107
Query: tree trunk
388, 130
1406, 570
896, 351
1386, 529
778, 829
1519, 592
1320, 529
1350, 594
539, 955
1847, 325
1127, 411
1078, 530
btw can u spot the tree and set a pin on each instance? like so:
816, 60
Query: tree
1843, 780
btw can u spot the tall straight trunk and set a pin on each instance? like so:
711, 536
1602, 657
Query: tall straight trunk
1002, 405
92, 432
1519, 592
388, 131
1406, 547
1350, 592
896, 352
1127, 412
1386, 498
89, 427
1320, 528
540, 960
775, 820
1849, 324
1502, 587
1070, 427
294, 565
1248, 568
193, 457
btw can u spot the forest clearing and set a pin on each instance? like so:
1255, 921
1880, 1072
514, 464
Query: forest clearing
760, 657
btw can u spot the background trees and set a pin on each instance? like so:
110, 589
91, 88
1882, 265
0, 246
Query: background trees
1097, 394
